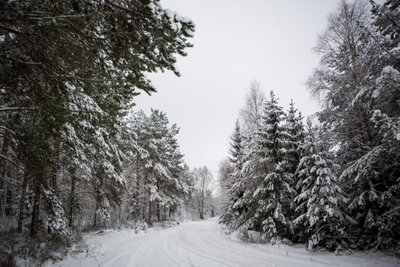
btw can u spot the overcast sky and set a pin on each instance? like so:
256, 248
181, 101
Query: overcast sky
236, 41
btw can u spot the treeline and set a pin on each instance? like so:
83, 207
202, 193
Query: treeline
71, 155
336, 184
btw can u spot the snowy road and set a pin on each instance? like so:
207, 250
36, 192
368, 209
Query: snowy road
203, 244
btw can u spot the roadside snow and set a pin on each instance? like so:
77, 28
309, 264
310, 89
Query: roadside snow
203, 244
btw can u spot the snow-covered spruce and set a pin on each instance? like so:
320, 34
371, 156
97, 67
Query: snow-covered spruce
320, 220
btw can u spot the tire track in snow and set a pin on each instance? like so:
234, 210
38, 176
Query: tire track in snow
203, 244
212, 246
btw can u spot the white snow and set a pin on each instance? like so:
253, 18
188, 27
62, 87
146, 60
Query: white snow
396, 52
389, 72
204, 243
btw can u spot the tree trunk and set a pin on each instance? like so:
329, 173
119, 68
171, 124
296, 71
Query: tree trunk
202, 208
202, 198
199, 204
56, 154
4, 201
35, 212
144, 207
119, 215
157, 207
98, 198
149, 219
21, 204
72, 202
9, 201
138, 190
95, 212
158, 211
4, 152
3, 181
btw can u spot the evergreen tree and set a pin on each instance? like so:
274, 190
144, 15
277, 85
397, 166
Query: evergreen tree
320, 220
373, 183
236, 184
159, 174
295, 137
385, 18
294, 142
360, 78
273, 187
69, 71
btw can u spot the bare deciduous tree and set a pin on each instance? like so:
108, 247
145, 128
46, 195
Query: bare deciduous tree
202, 178
250, 115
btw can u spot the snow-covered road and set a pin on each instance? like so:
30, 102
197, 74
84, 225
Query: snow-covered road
203, 244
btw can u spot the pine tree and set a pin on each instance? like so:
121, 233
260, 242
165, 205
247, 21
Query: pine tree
160, 182
68, 73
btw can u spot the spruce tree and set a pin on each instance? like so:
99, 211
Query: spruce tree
359, 79
294, 142
320, 220
273, 189
372, 179
236, 184
295, 137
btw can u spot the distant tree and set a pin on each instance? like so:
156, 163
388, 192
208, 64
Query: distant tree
159, 177
202, 178
235, 186
250, 114
224, 179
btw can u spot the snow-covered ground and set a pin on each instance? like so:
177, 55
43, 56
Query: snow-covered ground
203, 243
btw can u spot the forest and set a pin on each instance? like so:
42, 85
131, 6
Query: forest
76, 155
334, 181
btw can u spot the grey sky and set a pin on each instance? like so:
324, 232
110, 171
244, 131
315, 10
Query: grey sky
235, 42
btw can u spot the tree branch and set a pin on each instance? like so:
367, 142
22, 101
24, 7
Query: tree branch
62, 16
13, 182
7, 129
15, 109
12, 162
9, 29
